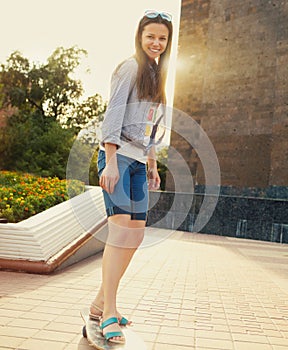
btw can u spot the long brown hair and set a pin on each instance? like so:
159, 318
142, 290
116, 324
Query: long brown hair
148, 87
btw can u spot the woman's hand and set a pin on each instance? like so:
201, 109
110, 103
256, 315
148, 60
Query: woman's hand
153, 179
152, 173
110, 174
109, 177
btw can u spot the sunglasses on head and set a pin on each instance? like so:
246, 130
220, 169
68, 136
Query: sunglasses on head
154, 14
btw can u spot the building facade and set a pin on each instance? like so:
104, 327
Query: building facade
232, 79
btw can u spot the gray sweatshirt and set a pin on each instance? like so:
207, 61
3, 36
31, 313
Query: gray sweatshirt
128, 122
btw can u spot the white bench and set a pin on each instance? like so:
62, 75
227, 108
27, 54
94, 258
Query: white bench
44, 241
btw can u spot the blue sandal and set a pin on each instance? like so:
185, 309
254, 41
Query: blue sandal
122, 322
110, 335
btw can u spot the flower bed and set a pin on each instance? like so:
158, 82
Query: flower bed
24, 195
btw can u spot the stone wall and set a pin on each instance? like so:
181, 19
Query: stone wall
232, 79
244, 216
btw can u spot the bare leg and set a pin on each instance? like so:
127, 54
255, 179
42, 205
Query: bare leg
125, 236
135, 228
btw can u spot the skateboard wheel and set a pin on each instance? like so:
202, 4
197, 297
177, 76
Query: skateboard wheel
84, 332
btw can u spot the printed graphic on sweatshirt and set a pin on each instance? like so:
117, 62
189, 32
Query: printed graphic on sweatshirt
155, 128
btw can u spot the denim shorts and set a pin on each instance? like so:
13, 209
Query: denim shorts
130, 194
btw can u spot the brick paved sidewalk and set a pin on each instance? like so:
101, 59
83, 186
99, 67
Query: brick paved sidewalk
190, 291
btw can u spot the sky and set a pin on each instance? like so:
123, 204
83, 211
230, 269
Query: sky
105, 29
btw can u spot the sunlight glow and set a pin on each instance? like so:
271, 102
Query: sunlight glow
39, 27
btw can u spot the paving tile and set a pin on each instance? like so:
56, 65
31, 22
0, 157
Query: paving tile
11, 342
35, 344
146, 328
159, 346
251, 346
10, 313
278, 341
149, 346
273, 333
250, 338
200, 348
173, 323
57, 305
69, 320
44, 310
5, 320
63, 327
17, 332
214, 343
78, 338
147, 337
35, 316
213, 335
18, 302
77, 347
27, 323
221, 328
179, 340
54, 336
203, 326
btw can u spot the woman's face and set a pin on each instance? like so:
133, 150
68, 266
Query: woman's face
154, 39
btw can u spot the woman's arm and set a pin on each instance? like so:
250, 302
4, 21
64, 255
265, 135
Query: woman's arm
122, 83
110, 174
153, 176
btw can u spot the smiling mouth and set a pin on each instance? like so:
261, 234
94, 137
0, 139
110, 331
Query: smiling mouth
155, 50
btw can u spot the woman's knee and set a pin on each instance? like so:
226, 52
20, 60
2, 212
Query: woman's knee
124, 232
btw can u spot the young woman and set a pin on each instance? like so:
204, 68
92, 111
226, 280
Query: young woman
137, 90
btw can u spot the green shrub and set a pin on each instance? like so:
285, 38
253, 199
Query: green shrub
24, 195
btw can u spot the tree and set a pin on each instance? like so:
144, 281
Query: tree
89, 111
47, 88
49, 114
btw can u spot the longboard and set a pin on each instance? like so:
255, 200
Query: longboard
91, 330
